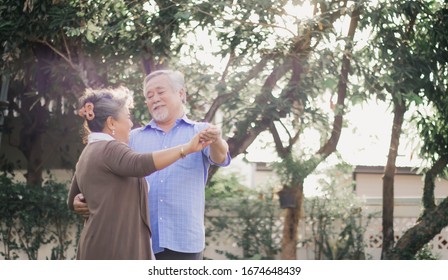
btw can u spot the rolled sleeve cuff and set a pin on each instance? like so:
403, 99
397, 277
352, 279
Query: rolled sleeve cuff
225, 163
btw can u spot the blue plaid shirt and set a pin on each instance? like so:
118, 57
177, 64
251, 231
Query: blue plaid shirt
176, 193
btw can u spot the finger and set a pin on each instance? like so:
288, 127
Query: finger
206, 138
79, 198
206, 143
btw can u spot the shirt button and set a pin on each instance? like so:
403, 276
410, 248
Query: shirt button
161, 181
161, 200
160, 218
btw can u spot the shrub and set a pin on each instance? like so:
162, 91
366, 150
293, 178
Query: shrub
31, 217
245, 216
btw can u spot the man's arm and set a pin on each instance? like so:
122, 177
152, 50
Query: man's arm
218, 147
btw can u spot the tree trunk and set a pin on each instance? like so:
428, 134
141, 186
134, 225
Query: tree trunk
35, 167
430, 177
292, 215
432, 221
388, 179
88, 71
35, 115
290, 227
34, 125
3, 102
421, 233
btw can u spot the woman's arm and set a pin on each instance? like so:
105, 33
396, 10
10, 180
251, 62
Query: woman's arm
166, 157
122, 161
74, 190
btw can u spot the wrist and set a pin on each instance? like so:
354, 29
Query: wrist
217, 143
182, 152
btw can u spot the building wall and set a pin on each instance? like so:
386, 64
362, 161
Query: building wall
411, 186
408, 191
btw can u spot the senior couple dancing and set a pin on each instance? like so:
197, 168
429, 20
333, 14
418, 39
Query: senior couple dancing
142, 191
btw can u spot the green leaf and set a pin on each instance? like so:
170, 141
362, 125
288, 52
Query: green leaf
183, 14
330, 83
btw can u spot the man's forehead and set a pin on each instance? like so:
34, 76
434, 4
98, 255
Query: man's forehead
156, 86
160, 80
150, 87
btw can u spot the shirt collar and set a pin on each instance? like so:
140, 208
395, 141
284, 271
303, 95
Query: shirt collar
184, 118
99, 136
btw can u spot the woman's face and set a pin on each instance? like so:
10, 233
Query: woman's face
123, 126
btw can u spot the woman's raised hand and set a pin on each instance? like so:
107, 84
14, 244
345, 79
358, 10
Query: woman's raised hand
198, 142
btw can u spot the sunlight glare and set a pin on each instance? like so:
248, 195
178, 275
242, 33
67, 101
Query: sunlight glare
293, 15
151, 7
305, 11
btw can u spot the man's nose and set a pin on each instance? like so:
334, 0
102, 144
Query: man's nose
155, 98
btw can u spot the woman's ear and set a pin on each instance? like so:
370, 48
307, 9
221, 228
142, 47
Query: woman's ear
110, 123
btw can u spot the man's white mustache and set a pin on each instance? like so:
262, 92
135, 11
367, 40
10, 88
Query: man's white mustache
155, 106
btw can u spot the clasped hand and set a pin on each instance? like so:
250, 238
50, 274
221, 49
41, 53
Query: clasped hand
211, 133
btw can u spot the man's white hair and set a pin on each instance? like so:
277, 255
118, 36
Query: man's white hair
176, 78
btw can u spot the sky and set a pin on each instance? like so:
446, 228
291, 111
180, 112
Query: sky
365, 140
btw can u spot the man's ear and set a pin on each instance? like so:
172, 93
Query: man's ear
183, 95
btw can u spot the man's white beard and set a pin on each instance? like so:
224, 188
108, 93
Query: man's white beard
160, 115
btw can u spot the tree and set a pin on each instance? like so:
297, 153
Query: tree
296, 170
53, 50
433, 218
400, 55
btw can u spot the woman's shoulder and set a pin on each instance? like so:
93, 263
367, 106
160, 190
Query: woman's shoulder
115, 144
104, 146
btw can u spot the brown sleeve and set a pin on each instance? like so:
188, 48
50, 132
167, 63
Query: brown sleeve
74, 190
123, 161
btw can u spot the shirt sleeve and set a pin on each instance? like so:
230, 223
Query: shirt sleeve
224, 164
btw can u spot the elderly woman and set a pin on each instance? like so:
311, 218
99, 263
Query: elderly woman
111, 177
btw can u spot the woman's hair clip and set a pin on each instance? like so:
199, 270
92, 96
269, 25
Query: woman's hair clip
87, 111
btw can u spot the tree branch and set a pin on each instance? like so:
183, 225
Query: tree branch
66, 58
428, 199
222, 98
242, 139
282, 152
332, 142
